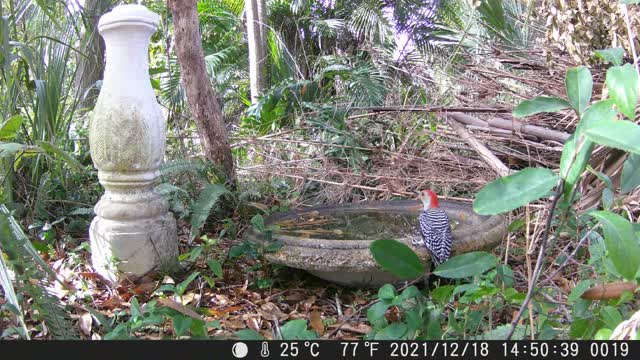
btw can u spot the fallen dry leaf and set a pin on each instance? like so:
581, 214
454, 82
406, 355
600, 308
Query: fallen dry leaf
359, 329
269, 311
316, 322
216, 312
609, 291
179, 308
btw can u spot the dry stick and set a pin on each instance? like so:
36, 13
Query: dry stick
486, 154
514, 126
538, 268
630, 34
430, 109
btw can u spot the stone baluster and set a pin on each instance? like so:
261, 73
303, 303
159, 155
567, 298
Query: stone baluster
133, 232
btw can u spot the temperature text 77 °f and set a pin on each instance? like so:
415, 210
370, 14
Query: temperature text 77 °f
350, 349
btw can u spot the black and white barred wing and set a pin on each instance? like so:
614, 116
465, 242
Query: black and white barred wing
436, 234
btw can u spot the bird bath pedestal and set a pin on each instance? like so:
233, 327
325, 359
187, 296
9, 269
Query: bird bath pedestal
332, 242
133, 232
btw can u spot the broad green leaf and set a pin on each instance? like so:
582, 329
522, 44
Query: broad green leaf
612, 55
579, 86
619, 134
395, 331
466, 265
630, 174
575, 156
611, 316
180, 324
293, 328
621, 242
387, 292
397, 258
604, 333
622, 82
572, 164
180, 288
578, 290
377, 310
442, 293
538, 105
9, 129
500, 333
201, 208
511, 192
248, 334
215, 267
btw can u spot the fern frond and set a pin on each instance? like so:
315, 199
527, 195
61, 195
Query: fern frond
202, 207
82, 211
34, 277
182, 166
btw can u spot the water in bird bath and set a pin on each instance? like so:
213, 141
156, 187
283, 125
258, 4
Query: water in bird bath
361, 225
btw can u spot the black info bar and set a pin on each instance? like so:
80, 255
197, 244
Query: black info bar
323, 349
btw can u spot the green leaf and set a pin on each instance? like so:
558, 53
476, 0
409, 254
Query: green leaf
410, 292
293, 328
579, 86
397, 258
258, 222
248, 334
621, 242
630, 174
201, 208
395, 331
59, 154
9, 129
180, 324
538, 105
612, 55
377, 310
441, 294
611, 316
513, 191
466, 265
604, 333
575, 156
180, 288
215, 267
622, 82
578, 290
387, 292
619, 134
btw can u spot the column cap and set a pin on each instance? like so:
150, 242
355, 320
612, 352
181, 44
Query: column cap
129, 15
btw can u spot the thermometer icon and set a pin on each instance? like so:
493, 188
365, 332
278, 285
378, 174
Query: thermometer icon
264, 352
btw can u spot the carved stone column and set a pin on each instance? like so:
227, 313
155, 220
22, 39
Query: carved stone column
133, 232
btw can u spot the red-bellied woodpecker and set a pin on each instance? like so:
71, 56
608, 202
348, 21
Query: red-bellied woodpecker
435, 228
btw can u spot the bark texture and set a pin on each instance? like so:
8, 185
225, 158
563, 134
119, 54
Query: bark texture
254, 10
200, 93
91, 66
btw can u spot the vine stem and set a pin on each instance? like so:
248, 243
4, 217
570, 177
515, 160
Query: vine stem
539, 261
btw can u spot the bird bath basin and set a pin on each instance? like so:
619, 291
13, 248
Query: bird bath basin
332, 242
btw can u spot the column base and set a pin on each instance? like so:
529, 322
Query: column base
130, 249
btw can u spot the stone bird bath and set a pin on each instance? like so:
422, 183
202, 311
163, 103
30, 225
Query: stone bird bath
332, 242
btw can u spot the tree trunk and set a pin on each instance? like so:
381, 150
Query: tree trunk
91, 68
199, 91
255, 40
